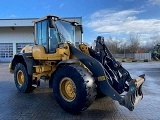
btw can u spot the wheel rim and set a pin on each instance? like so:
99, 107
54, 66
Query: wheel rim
20, 77
68, 89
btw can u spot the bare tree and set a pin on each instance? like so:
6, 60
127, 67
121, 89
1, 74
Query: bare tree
134, 42
155, 39
113, 45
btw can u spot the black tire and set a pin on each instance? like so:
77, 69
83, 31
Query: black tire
84, 87
100, 95
24, 85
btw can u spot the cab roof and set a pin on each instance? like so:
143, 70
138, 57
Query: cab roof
53, 17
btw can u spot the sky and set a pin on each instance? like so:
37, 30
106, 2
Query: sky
109, 18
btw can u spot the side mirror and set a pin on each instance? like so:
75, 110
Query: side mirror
51, 23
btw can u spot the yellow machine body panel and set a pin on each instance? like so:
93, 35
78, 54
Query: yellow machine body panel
26, 49
43, 70
62, 53
84, 48
48, 60
38, 53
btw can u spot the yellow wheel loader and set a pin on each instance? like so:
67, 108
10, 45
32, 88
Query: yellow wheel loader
77, 74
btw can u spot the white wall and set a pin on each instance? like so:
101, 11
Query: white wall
18, 35
16, 22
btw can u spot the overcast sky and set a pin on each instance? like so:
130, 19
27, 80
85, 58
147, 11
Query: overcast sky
115, 18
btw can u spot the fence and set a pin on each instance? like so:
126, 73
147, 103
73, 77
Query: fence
142, 56
136, 56
124, 56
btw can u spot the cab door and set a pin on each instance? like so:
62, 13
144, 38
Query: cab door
46, 35
53, 40
42, 34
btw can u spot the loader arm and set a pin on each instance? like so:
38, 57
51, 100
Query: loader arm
121, 78
111, 78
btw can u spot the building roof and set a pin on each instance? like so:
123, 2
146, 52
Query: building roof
16, 22
28, 22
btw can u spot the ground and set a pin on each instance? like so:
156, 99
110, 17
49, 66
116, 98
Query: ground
40, 104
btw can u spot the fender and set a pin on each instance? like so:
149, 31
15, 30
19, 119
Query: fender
69, 61
25, 58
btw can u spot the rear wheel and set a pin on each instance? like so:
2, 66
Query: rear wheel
74, 88
22, 80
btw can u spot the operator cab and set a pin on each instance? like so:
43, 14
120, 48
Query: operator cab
52, 30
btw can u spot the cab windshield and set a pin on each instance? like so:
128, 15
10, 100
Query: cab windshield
65, 31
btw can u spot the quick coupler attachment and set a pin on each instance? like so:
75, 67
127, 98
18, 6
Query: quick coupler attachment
134, 95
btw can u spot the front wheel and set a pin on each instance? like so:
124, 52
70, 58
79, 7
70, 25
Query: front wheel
74, 88
22, 80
